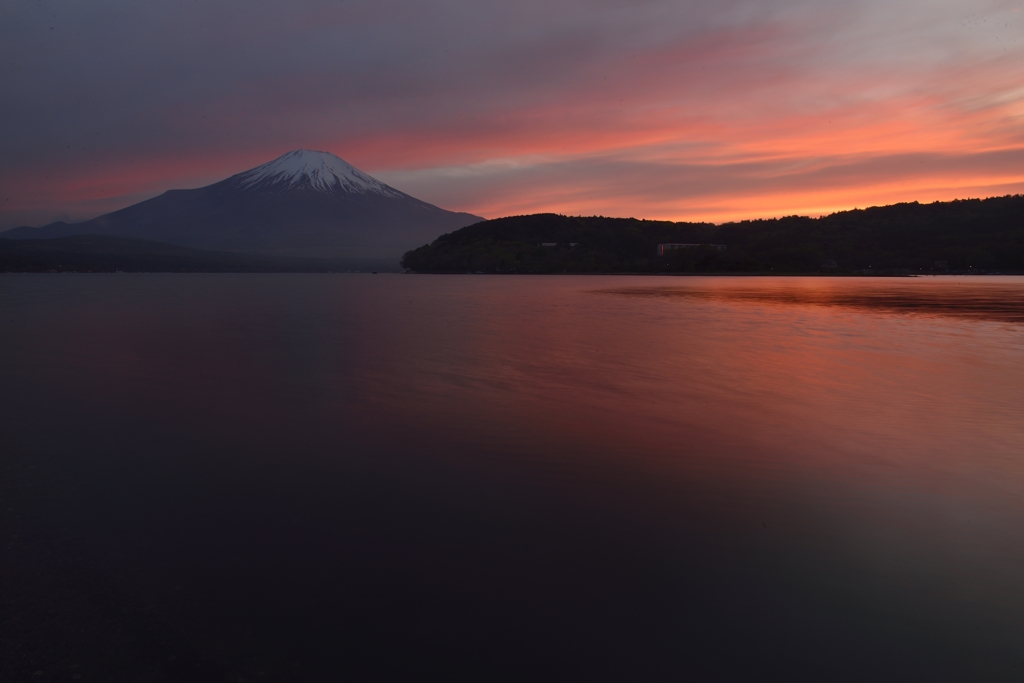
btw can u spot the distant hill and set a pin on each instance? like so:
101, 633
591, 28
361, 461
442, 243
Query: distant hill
303, 204
959, 236
108, 254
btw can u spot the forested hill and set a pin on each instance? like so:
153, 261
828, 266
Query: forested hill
970, 235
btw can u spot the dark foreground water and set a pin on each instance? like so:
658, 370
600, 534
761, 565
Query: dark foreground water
356, 477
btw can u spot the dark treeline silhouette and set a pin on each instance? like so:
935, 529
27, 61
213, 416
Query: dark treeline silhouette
108, 254
961, 236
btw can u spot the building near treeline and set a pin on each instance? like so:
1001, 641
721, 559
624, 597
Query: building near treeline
668, 246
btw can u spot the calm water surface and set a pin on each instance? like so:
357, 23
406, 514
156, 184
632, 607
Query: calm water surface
355, 477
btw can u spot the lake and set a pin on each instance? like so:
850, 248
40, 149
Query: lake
398, 477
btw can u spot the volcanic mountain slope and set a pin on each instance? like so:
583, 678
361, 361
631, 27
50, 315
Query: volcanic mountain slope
303, 203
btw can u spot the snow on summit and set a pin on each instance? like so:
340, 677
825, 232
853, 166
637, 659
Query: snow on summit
320, 171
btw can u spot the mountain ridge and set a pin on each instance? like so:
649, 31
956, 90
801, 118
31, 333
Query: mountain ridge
962, 236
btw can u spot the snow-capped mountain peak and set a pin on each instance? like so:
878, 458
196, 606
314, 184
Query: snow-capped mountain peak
321, 171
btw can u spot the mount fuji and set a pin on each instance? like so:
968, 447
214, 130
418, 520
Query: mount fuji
303, 203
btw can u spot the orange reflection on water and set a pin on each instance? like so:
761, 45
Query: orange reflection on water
831, 454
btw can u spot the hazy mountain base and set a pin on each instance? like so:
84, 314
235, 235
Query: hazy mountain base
222, 218
304, 203
107, 254
959, 236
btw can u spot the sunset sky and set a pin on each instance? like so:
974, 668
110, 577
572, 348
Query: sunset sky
686, 110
